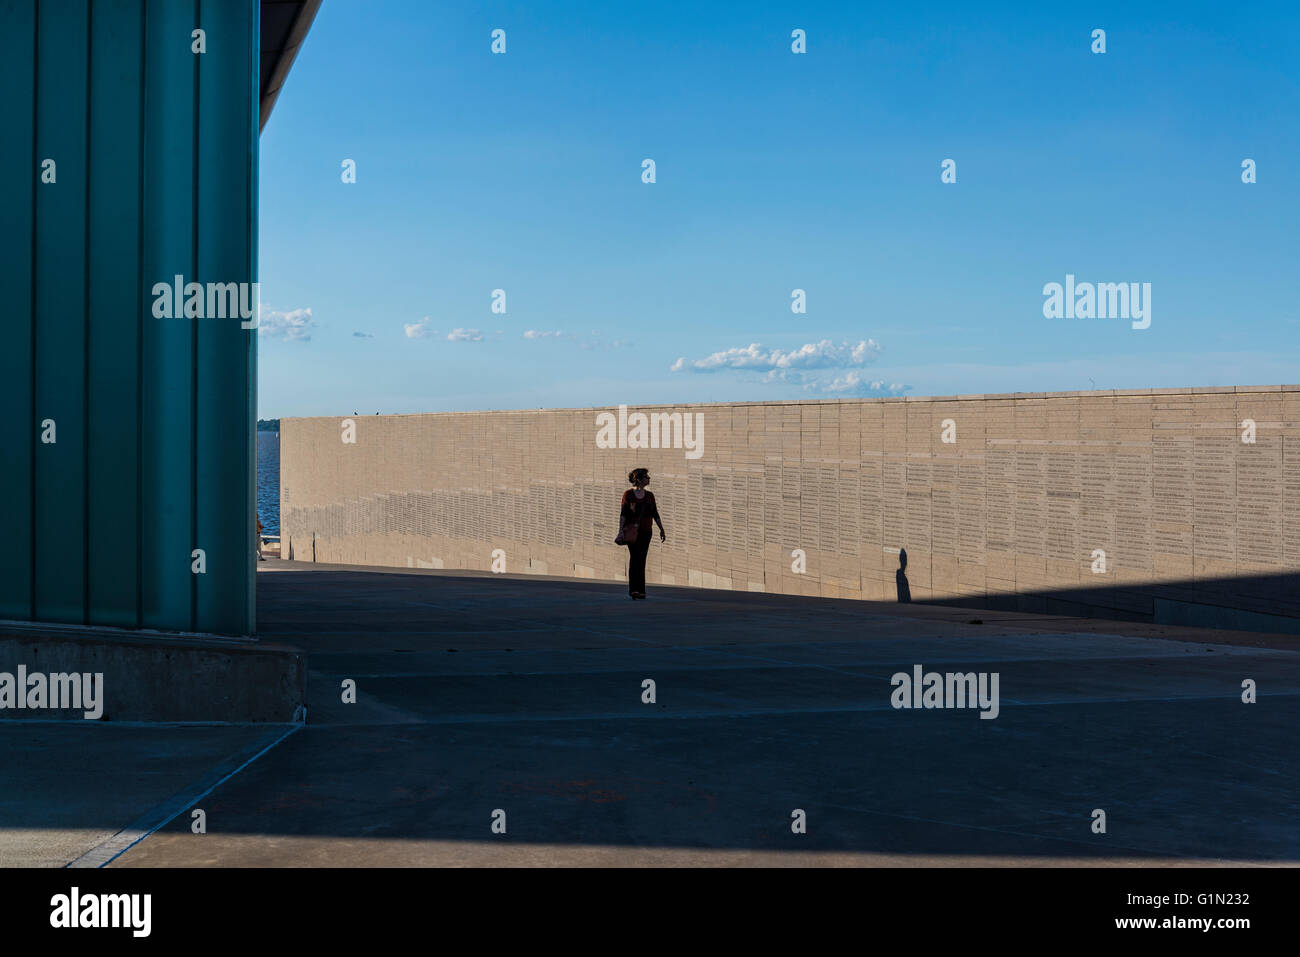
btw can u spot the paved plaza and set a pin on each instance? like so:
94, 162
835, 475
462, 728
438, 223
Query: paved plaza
521, 700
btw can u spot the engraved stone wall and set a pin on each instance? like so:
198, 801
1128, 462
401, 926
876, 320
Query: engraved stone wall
1014, 513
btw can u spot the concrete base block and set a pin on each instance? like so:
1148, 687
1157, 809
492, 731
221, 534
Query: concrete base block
162, 678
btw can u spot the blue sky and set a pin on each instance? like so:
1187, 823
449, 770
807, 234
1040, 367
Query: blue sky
775, 171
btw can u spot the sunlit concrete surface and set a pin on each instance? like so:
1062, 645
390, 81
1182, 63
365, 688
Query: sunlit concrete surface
478, 693
273, 851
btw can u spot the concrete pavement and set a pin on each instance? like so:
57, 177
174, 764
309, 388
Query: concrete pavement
522, 695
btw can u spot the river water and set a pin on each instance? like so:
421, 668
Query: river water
268, 481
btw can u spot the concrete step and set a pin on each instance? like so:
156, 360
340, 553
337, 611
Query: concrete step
75, 673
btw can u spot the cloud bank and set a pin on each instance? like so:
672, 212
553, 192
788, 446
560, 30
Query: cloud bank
293, 326
823, 367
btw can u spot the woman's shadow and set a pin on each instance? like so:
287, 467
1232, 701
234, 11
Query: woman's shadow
900, 577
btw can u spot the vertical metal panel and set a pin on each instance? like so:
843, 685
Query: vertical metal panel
60, 355
167, 380
116, 306
251, 204
18, 185
156, 149
223, 385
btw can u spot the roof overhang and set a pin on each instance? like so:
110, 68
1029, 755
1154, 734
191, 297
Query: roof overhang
284, 26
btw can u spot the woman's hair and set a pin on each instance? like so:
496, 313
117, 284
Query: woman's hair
632, 475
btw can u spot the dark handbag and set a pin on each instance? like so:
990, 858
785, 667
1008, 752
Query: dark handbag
627, 534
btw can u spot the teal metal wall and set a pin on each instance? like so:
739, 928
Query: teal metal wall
156, 175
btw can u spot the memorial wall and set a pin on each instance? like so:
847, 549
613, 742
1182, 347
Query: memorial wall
1175, 505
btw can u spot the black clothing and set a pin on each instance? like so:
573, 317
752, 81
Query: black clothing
637, 553
641, 512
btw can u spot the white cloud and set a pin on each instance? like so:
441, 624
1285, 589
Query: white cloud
417, 330
464, 335
813, 355
593, 341
293, 326
598, 343
853, 383
814, 366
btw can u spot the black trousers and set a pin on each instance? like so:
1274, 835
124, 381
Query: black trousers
637, 552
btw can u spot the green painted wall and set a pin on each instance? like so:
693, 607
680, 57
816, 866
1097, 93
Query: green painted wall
156, 175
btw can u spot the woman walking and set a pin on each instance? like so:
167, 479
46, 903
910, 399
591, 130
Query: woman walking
636, 515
